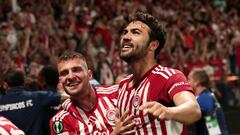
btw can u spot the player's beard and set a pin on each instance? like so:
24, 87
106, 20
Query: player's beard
137, 53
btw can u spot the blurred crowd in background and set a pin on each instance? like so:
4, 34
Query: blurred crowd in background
200, 34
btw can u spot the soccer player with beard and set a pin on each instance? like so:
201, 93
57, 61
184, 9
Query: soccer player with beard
88, 110
159, 98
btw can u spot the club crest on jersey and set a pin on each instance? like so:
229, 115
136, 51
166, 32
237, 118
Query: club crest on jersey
110, 115
136, 100
57, 127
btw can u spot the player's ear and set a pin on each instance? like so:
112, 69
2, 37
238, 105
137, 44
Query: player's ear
154, 45
90, 74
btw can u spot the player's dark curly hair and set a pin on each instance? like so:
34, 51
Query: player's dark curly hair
157, 32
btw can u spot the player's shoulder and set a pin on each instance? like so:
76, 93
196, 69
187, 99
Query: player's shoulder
8, 127
3, 119
126, 79
61, 121
63, 110
107, 89
61, 115
165, 72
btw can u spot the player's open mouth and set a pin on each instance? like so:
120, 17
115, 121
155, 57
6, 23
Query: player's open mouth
73, 84
126, 46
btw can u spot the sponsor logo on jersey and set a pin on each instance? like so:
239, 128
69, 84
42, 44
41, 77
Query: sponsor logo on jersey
176, 85
57, 127
136, 100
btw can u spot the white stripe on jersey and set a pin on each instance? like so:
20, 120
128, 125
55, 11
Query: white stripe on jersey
5, 123
160, 73
130, 97
129, 76
123, 98
158, 127
66, 104
100, 119
64, 115
85, 118
173, 71
98, 115
108, 102
114, 101
163, 71
123, 88
2, 118
57, 116
3, 131
146, 92
146, 118
173, 127
165, 68
66, 101
107, 90
149, 129
82, 132
141, 131
167, 71
120, 94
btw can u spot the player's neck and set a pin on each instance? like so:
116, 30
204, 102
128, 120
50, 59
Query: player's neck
140, 68
88, 101
199, 89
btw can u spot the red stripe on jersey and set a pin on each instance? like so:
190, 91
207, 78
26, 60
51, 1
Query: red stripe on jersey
163, 126
153, 128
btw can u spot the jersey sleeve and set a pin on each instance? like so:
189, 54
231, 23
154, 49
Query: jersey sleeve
60, 126
110, 91
7, 127
177, 83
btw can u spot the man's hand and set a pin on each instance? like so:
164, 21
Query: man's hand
157, 110
123, 124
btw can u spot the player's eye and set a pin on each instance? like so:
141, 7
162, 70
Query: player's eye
135, 31
76, 69
63, 73
124, 32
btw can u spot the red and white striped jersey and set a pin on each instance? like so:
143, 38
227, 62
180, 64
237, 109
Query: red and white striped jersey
72, 120
158, 84
8, 128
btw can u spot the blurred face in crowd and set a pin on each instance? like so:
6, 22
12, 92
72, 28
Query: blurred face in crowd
191, 80
74, 76
134, 41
